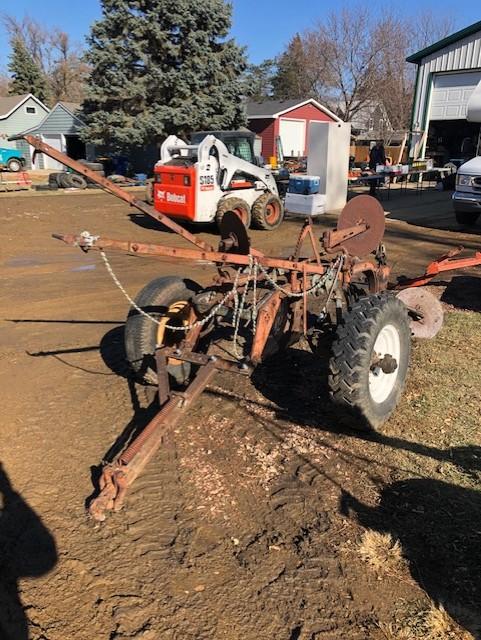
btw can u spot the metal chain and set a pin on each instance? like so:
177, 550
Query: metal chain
192, 325
291, 294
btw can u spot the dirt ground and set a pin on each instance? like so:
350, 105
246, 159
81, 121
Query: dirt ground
261, 518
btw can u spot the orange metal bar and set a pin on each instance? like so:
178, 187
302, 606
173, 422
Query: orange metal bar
161, 251
115, 190
445, 263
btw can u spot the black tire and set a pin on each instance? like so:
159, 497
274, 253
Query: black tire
351, 371
53, 180
95, 166
237, 205
267, 212
14, 165
467, 218
76, 181
63, 180
141, 333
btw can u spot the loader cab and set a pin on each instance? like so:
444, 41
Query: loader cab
238, 143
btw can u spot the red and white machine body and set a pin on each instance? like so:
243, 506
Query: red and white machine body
190, 181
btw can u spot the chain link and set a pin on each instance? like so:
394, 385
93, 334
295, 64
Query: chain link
252, 272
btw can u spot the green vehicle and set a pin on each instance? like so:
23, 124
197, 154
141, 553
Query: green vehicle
11, 159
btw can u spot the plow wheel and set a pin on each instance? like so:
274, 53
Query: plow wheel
369, 363
168, 300
267, 212
238, 206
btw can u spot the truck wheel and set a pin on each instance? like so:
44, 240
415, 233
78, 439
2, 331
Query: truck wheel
466, 218
168, 300
370, 359
267, 212
14, 165
238, 206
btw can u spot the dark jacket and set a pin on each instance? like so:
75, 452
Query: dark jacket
377, 156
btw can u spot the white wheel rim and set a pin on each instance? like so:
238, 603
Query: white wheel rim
387, 343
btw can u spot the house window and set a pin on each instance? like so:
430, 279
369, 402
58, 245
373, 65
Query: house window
31, 110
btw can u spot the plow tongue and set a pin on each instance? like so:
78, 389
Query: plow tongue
425, 311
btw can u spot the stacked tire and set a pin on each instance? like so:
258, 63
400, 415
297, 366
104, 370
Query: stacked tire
66, 180
97, 168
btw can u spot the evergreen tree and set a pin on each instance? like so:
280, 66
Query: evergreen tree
27, 77
258, 81
161, 67
291, 80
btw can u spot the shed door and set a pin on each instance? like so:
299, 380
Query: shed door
450, 95
293, 137
54, 141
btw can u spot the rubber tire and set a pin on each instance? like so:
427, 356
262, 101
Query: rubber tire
16, 164
53, 180
63, 180
233, 204
77, 181
95, 166
141, 333
350, 363
466, 218
259, 219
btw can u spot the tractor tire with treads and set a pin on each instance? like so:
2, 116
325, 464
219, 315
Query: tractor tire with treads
238, 206
267, 212
168, 300
373, 328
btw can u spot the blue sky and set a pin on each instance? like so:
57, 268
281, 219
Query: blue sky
256, 24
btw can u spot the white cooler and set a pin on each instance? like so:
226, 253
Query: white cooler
300, 205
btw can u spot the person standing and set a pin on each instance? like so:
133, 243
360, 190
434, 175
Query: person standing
377, 156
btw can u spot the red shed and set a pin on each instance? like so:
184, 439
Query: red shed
290, 120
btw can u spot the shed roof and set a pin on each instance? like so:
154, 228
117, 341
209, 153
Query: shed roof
276, 108
9, 104
441, 44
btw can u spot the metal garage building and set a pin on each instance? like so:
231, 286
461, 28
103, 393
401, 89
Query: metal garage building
288, 120
447, 73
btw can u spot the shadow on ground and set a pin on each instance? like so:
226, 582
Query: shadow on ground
27, 549
439, 527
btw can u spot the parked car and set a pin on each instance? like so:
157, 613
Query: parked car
11, 159
467, 197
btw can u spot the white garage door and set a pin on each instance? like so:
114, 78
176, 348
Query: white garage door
54, 141
293, 137
450, 95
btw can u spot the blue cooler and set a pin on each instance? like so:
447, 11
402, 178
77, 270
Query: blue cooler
304, 185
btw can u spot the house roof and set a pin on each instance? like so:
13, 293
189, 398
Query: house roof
441, 44
275, 108
70, 107
9, 104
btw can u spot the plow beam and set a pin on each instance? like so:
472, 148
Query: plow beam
78, 167
117, 476
447, 262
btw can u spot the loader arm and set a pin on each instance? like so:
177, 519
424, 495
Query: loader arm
229, 165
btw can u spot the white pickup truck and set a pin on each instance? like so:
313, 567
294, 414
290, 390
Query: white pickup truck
467, 197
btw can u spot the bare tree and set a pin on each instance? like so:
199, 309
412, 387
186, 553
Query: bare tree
4, 82
54, 52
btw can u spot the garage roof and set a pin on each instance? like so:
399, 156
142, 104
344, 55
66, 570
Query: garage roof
276, 108
9, 104
441, 44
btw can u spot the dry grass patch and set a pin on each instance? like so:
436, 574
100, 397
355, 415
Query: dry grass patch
440, 626
381, 552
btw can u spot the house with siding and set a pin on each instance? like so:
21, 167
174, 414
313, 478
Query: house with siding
16, 114
288, 120
61, 128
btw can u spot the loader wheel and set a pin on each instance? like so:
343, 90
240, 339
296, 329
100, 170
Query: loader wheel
267, 212
168, 300
238, 206
369, 363
466, 218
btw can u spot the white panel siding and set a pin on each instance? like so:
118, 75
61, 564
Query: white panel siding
459, 56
